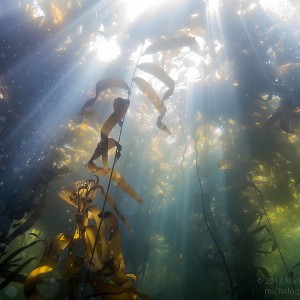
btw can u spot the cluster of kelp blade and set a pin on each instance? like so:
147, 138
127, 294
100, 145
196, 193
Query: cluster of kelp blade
104, 255
92, 257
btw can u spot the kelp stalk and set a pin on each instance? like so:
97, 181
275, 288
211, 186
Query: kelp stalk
117, 155
261, 199
207, 223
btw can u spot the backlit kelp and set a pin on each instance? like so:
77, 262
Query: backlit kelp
102, 254
229, 81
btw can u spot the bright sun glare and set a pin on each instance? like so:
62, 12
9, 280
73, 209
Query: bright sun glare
106, 50
137, 7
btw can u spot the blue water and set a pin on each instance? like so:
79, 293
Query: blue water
215, 164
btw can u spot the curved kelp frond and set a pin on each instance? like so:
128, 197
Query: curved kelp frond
120, 107
150, 93
107, 83
160, 74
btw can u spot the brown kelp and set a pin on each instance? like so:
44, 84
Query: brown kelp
159, 73
107, 83
120, 107
104, 254
149, 92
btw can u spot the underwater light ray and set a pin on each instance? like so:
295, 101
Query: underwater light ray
136, 8
255, 51
31, 116
104, 6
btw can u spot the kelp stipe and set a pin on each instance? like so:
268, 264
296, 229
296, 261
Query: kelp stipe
208, 225
102, 214
270, 230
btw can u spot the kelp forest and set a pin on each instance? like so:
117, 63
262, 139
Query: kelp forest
148, 149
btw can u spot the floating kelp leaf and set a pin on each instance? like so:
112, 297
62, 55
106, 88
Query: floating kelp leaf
113, 204
287, 68
159, 73
88, 103
99, 255
117, 179
48, 262
169, 44
104, 84
102, 149
149, 92
115, 250
120, 107
80, 192
161, 125
110, 83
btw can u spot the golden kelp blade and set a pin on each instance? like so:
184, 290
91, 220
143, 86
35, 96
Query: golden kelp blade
57, 13
117, 179
109, 83
102, 148
149, 92
76, 191
160, 74
89, 238
104, 84
46, 265
161, 125
120, 107
169, 44
287, 68
113, 204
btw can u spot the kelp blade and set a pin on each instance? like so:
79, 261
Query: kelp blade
110, 82
48, 262
149, 92
107, 83
160, 74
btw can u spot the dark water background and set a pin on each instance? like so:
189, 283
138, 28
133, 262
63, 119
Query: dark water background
244, 68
